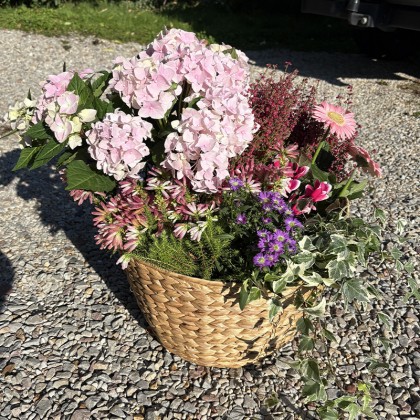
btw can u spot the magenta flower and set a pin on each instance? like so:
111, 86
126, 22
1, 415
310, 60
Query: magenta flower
340, 122
318, 192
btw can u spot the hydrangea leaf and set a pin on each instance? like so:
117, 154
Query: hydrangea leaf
101, 83
80, 88
26, 157
81, 176
47, 152
39, 132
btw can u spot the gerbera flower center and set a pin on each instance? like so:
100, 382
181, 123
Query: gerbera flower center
336, 117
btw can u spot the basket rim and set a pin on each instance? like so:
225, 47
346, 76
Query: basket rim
200, 281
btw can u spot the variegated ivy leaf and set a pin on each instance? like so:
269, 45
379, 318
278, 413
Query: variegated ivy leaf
305, 244
274, 308
305, 259
318, 310
354, 289
338, 244
313, 280
338, 270
279, 286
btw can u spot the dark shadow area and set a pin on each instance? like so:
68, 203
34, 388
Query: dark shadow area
281, 26
60, 213
6, 279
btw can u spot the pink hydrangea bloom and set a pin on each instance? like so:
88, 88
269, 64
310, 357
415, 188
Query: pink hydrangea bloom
219, 127
117, 144
339, 121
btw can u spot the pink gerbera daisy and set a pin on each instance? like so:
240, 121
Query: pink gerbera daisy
339, 121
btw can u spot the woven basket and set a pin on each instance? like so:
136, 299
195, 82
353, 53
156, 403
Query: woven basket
200, 320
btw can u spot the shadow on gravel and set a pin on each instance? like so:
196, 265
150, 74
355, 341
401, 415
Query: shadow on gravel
6, 279
60, 213
332, 67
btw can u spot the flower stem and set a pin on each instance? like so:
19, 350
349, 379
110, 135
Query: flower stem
345, 188
320, 145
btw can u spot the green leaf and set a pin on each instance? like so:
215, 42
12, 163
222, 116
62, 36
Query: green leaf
82, 176
396, 253
306, 244
279, 286
80, 88
304, 325
314, 279
274, 307
254, 294
100, 84
26, 157
318, 173
409, 267
102, 108
39, 132
355, 190
338, 244
376, 364
338, 269
305, 258
271, 401
329, 335
328, 413
47, 152
243, 296
353, 410
318, 310
306, 343
355, 290
380, 215
65, 158
415, 290
310, 370
314, 391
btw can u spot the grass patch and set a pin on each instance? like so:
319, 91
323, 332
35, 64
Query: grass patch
126, 22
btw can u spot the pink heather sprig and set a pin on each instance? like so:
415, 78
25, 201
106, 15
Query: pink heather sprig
118, 144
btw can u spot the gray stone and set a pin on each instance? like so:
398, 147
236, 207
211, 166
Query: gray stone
43, 407
81, 414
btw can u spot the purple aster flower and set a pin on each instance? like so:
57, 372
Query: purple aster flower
260, 260
264, 197
276, 248
235, 184
288, 212
267, 207
262, 244
292, 223
263, 234
280, 236
291, 246
266, 220
241, 219
272, 259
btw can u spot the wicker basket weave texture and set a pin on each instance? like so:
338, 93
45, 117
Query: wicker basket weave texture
200, 320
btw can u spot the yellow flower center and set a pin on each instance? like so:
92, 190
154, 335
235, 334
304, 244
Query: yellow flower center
336, 117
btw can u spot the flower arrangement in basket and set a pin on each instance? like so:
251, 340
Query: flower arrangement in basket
227, 201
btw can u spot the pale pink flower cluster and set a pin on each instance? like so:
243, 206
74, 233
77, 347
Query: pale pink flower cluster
57, 107
117, 144
176, 64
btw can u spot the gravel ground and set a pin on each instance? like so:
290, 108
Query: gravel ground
73, 344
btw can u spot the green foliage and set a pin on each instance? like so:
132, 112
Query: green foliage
191, 258
138, 22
